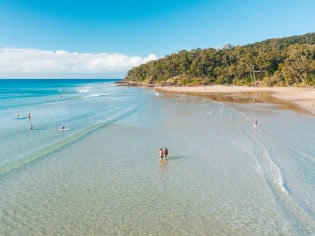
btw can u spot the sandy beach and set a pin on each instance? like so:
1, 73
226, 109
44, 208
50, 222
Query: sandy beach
303, 97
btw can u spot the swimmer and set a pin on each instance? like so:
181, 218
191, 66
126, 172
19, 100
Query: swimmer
255, 123
161, 153
166, 152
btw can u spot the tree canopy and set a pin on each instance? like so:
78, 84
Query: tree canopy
279, 61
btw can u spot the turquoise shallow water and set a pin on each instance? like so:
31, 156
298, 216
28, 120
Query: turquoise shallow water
104, 176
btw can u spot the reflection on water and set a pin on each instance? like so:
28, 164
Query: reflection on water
243, 97
163, 163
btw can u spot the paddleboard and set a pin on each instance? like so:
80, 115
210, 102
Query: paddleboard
64, 129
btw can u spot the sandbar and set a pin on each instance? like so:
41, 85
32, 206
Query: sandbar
303, 97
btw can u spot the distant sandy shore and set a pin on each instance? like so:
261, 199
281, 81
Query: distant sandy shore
303, 97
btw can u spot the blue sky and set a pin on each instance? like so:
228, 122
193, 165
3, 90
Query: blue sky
106, 38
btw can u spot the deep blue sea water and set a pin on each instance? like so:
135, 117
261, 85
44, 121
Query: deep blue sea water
103, 176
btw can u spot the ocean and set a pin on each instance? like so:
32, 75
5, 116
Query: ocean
102, 174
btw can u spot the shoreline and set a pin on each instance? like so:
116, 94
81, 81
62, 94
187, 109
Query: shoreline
304, 98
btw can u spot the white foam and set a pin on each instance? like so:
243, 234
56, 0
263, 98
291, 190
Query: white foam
277, 176
95, 95
84, 90
269, 168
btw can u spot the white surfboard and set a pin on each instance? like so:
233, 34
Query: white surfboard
65, 129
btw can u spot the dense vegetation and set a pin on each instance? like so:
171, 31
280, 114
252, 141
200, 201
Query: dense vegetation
282, 62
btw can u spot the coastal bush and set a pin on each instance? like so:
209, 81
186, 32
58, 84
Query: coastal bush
282, 62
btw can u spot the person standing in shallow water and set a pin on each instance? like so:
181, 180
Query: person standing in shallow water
166, 152
161, 153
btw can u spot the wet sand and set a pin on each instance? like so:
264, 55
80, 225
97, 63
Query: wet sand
299, 99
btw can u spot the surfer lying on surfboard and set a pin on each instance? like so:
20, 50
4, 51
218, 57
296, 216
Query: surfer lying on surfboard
63, 128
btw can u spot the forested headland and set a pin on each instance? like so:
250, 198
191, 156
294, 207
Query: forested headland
285, 61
